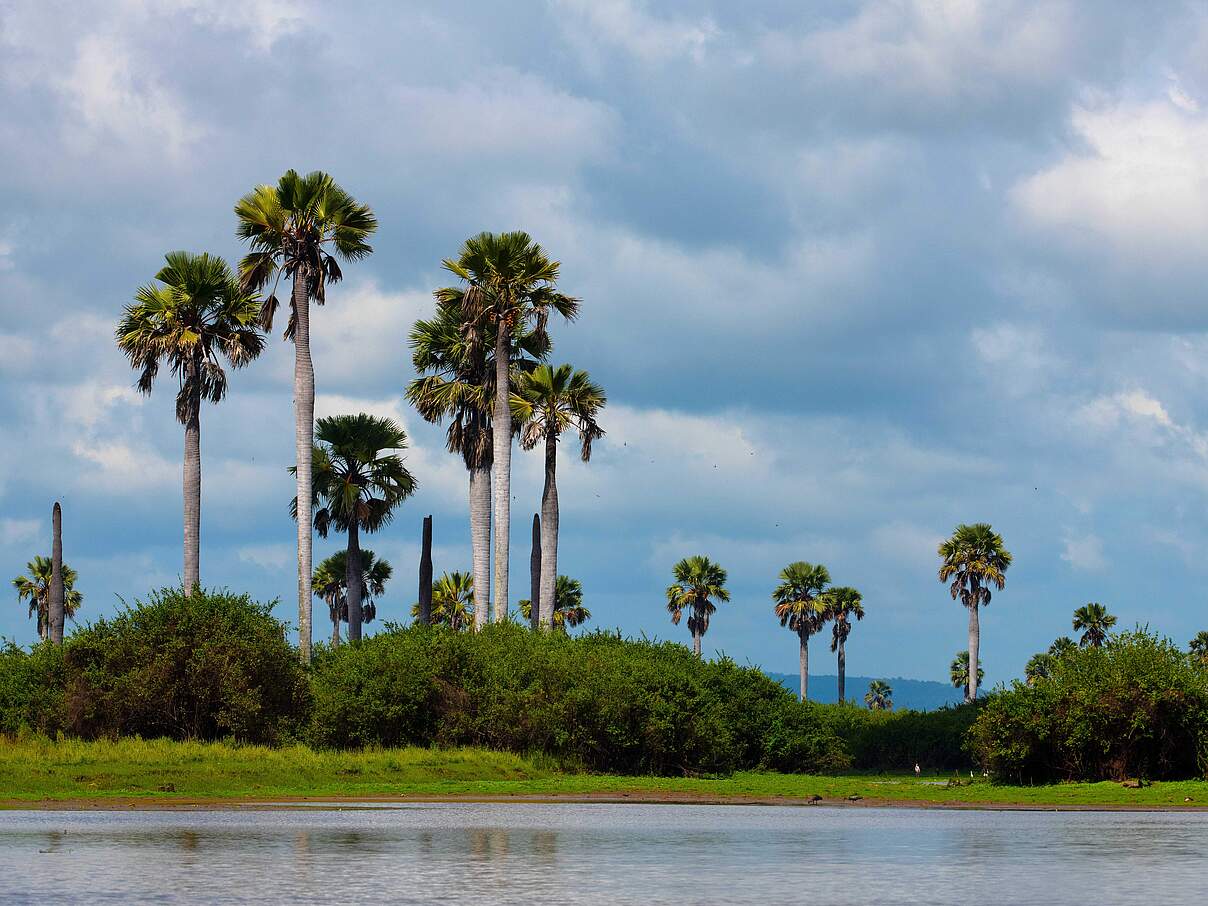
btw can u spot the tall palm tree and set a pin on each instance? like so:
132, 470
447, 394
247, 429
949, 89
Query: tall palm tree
569, 611
192, 319
1062, 646
301, 228
879, 696
1198, 648
801, 607
452, 601
359, 480
1093, 621
548, 401
510, 283
34, 587
842, 604
455, 361
330, 583
958, 671
698, 583
972, 560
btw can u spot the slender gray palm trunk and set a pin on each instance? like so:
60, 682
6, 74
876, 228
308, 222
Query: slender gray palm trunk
353, 578
55, 606
535, 575
335, 630
696, 634
974, 643
480, 542
549, 533
304, 439
425, 573
842, 668
502, 442
192, 488
804, 638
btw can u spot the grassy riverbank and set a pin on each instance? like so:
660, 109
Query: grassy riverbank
135, 771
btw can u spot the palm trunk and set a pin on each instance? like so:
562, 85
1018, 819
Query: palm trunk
842, 667
353, 577
425, 573
804, 638
335, 630
304, 440
502, 441
974, 642
549, 533
696, 634
480, 541
192, 486
535, 575
54, 608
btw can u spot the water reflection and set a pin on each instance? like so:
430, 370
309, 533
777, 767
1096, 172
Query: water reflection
497, 854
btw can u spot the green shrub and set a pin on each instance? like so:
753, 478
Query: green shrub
799, 740
896, 741
31, 688
204, 666
1137, 707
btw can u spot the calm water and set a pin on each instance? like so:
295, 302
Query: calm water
501, 853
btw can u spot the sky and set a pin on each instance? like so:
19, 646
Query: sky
852, 274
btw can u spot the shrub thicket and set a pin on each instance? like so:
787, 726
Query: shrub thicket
1137, 707
896, 741
599, 701
209, 665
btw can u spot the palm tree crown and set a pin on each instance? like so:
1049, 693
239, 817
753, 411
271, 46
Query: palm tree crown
1198, 648
959, 671
34, 587
569, 610
879, 696
798, 598
1093, 621
300, 227
549, 400
698, 583
330, 583
452, 601
1062, 646
841, 604
973, 559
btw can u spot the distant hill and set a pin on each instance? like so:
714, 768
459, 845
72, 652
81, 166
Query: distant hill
921, 695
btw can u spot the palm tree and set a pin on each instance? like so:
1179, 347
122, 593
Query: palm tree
510, 284
452, 601
958, 670
34, 587
547, 402
973, 559
1039, 666
879, 696
299, 228
1198, 648
330, 583
358, 482
1062, 646
801, 607
455, 360
1093, 621
698, 582
841, 604
569, 611
192, 319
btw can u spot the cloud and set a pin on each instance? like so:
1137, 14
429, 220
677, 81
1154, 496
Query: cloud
19, 531
271, 557
628, 26
1084, 552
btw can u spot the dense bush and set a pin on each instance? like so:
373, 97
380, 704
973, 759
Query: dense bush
895, 741
204, 666
1137, 707
31, 688
599, 701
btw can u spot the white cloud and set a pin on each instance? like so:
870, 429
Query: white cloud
19, 531
627, 25
1084, 552
271, 557
907, 544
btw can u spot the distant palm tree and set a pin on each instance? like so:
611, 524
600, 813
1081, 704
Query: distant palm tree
547, 402
359, 480
879, 696
801, 606
330, 583
455, 361
569, 611
192, 319
1198, 648
1039, 666
1062, 646
452, 601
698, 583
842, 604
34, 587
297, 229
973, 559
1093, 621
510, 283
959, 671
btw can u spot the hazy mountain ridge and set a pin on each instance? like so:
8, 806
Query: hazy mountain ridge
921, 695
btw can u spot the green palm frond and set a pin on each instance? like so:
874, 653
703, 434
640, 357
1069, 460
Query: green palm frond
799, 601
549, 400
698, 583
973, 559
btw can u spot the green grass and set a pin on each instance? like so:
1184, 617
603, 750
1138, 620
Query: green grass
33, 770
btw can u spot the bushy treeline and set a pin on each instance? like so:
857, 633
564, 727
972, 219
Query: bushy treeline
216, 665
1136, 707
